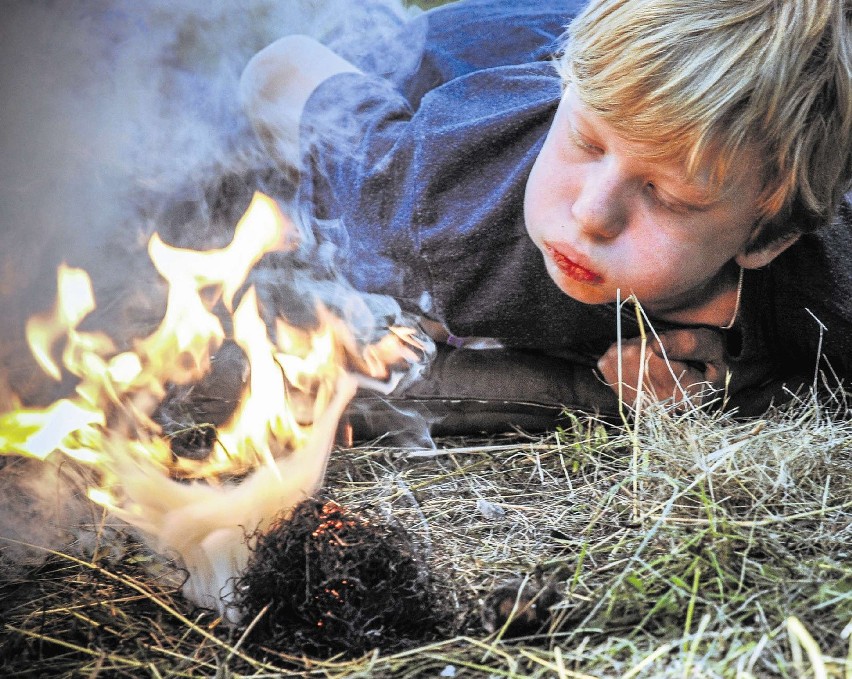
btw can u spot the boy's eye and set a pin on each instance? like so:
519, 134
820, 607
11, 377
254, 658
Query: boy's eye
584, 144
665, 201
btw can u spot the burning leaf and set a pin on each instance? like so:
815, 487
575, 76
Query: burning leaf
208, 525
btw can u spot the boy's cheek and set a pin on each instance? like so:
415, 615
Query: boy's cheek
550, 187
530, 215
534, 229
538, 209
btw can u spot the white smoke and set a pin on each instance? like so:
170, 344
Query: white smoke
119, 118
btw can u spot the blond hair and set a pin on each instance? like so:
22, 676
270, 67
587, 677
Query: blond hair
705, 80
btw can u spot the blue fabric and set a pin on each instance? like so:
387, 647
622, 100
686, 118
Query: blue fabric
427, 179
419, 177
464, 37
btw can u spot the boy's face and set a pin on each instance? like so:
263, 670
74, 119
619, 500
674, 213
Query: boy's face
607, 219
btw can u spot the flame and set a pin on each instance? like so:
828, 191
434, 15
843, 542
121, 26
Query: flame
278, 439
181, 347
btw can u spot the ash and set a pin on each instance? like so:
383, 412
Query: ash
337, 581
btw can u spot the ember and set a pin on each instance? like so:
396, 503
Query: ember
329, 580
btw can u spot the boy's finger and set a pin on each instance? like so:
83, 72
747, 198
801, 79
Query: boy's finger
628, 353
702, 345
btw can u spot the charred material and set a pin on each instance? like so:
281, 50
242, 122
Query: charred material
519, 608
336, 581
190, 413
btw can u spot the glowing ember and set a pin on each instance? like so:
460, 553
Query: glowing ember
278, 439
334, 581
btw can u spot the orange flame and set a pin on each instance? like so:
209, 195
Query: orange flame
280, 434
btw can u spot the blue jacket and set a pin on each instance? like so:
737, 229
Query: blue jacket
418, 175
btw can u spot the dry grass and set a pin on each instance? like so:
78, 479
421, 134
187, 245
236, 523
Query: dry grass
686, 545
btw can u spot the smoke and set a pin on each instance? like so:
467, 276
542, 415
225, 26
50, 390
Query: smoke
44, 508
121, 118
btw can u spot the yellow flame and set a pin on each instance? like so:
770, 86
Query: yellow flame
259, 413
293, 375
75, 300
279, 436
39, 432
179, 351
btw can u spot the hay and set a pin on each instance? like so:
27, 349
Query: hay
684, 545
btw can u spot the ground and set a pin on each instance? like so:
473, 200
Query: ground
679, 544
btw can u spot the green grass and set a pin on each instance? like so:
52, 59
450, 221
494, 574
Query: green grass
427, 4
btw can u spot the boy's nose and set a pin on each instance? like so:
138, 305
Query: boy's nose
599, 207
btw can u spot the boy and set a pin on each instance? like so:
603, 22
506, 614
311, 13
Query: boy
694, 155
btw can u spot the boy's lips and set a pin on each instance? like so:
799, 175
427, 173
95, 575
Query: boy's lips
572, 264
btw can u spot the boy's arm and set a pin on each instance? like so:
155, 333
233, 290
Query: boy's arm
276, 85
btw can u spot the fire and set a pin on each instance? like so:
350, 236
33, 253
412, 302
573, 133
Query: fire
278, 439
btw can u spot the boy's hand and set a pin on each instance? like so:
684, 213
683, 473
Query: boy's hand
692, 367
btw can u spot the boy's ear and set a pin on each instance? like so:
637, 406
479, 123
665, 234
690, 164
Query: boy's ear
755, 259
